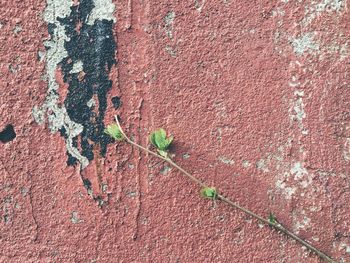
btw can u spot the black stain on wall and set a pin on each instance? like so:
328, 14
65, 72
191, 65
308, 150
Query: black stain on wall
93, 48
116, 102
7, 134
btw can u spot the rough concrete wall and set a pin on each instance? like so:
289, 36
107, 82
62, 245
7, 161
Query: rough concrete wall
256, 93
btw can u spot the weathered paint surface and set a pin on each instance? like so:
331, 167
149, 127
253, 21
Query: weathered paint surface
257, 95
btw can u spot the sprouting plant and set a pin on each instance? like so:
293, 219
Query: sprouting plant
114, 131
272, 219
209, 192
161, 142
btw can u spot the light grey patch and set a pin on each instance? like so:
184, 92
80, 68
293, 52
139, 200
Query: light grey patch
38, 115
131, 194
172, 52
131, 166
74, 218
91, 103
303, 223
316, 8
103, 9
165, 170
186, 156
77, 67
41, 55
346, 150
347, 249
199, 6
288, 191
104, 188
14, 68
226, 160
278, 12
7, 219
261, 165
317, 239
299, 110
24, 191
305, 43
169, 24
246, 163
301, 174
17, 29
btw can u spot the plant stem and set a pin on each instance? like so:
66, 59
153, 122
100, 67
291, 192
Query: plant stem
280, 228
220, 197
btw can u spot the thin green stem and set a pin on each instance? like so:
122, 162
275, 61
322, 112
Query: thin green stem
280, 228
220, 197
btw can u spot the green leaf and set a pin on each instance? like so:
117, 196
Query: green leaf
114, 131
152, 139
272, 219
159, 140
209, 192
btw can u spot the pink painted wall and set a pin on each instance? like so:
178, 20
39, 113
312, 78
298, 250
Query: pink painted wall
257, 95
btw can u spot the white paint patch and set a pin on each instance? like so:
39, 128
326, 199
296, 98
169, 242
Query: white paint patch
297, 110
288, 191
301, 174
199, 6
103, 9
91, 103
298, 107
246, 163
226, 160
302, 224
169, 23
305, 43
77, 67
171, 51
278, 12
262, 165
318, 7
74, 218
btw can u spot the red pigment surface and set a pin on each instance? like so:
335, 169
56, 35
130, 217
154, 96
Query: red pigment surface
266, 125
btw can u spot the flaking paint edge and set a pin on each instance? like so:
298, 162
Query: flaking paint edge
57, 115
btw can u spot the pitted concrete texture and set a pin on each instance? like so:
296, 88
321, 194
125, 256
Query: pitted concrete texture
256, 94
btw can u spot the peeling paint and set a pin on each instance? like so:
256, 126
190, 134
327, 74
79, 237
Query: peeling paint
103, 9
60, 116
56, 52
77, 67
